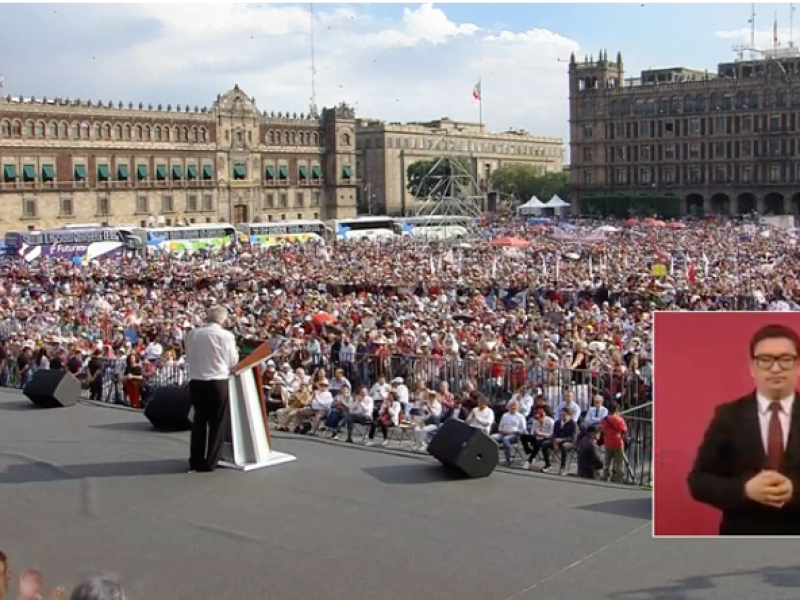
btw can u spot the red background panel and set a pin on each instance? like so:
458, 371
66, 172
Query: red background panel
701, 360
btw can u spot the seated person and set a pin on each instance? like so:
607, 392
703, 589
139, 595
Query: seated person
342, 402
541, 430
318, 409
338, 382
512, 425
298, 402
427, 419
595, 415
589, 461
388, 416
481, 417
360, 412
565, 432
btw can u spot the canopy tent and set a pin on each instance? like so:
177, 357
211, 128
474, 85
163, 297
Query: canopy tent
556, 202
531, 207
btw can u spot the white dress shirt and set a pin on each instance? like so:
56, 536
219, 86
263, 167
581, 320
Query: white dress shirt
481, 418
322, 400
595, 415
512, 422
380, 391
211, 353
543, 429
363, 406
764, 416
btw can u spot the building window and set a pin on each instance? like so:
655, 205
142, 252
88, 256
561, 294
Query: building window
669, 175
694, 150
621, 176
191, 203
269, 201
747, 174
694, 126
619, 130
719, 149
29, 208
167, 205
315, 198
208, 202
774, 123
747, 147
669, 151
720, 174
774, 148
747, 123
644, 153
142, 205
774, 173
588, 154
588, 132
621, 154
588, 178
694, 174
669, 128
65, 207
299, 199
284, 201
103, 206
645, 176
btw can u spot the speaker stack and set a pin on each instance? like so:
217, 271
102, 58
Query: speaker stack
53, 389
170, 409
464, 450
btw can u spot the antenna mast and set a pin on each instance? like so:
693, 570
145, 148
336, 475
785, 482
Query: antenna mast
791, 26
753, 31
775, 32
313, 106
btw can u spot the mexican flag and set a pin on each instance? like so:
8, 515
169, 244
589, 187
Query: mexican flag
476, 92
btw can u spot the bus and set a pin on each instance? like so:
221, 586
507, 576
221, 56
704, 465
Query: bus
188, 239
87, 243
365, 228
439, 227
282, 232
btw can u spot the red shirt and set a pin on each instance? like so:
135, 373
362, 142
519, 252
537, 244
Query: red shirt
614, 427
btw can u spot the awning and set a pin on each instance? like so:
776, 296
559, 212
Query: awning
48, 173
302, 170
177, 172
347, 172
269, 172
79, 173
122, 172
316, 172
191, 172
161, 172
102, 173
239, 172
283, 172
28, 173
141, 172
208, 172
9, 173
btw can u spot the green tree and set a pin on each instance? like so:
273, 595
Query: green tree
524, 180
425, 176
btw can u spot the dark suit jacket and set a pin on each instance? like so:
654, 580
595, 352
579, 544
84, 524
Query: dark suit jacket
731, 453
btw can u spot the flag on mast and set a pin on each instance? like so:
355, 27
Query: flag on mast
476, 93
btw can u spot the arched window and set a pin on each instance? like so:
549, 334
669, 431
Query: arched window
40, 129
270, 137
54, 130
688, 104
30, 130
285, 138
783, 98
157, 133
107, 131
193, 134
5, 129
727, 101
118, 132
147, 132
85, 131
238, 137
176, 134
203, 134
613, 108
650, 106
754, 100
98, 131
127, 132
700, 103
796, 97
625, 109
294, 139
62, 130
674, 105
137, 132
76, 131
345, 139
185, 134
638, 107
741, 100
713, 102
166, 134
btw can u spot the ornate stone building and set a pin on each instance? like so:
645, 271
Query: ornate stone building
718, 143
74, 161
385, 150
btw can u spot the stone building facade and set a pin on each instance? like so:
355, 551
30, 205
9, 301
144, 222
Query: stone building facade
385, 151
73, 161
719, 143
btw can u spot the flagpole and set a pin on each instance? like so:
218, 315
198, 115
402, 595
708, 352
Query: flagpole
480, 104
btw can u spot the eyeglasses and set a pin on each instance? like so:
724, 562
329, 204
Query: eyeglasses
784, 362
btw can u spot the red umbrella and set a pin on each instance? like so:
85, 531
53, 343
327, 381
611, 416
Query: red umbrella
509, 242
632, 222
323, 318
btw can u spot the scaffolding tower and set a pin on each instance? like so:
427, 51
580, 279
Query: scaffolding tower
455, 194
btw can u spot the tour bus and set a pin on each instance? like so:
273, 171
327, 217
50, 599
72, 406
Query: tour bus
190, 238
365, 227
439, 227
281, 232
86, 243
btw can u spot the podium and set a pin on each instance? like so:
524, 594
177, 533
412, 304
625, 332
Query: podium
247, 444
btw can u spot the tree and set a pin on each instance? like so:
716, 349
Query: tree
526, 180
424, 176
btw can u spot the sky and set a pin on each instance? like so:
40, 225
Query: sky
395, 62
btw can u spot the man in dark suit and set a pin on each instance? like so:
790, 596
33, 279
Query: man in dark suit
748, 465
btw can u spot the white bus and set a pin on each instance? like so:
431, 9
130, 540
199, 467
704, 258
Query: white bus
439, 227
365, 227
190, 238
281, 232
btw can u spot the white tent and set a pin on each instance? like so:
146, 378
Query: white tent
556, 202
531, 207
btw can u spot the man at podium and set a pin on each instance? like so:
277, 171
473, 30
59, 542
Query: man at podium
211, 356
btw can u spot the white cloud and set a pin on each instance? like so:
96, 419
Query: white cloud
419, 66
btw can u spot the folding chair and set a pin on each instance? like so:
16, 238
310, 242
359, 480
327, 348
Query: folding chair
404, 432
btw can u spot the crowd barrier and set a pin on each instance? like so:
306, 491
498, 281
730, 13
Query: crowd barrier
497, 381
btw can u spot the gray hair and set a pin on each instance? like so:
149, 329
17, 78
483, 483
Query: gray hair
98, 588
218, 315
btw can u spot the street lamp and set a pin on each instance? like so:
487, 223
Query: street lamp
221, 181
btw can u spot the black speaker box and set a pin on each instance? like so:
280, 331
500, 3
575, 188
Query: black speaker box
464, 449
51, 388
170, 409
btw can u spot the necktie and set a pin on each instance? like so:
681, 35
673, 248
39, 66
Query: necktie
774, 437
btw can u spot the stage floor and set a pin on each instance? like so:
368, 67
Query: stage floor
94, 490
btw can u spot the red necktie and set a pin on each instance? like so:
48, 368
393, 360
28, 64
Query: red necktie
775, 437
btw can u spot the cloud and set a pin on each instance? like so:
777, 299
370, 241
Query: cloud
417, 66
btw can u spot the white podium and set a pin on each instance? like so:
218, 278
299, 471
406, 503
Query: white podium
247, 445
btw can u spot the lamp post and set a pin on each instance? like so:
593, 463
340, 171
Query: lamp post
223, 183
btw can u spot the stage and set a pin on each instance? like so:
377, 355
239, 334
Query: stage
94, 490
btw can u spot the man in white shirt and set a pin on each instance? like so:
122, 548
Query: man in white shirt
380, 390
512, 425
360, 412
541, 431
595, 415
321, 404
401, 391
481, 417
211, 355
570, 404
524, 401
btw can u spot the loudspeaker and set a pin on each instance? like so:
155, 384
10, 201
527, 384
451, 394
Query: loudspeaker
464, 449
170, 409
51, 388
